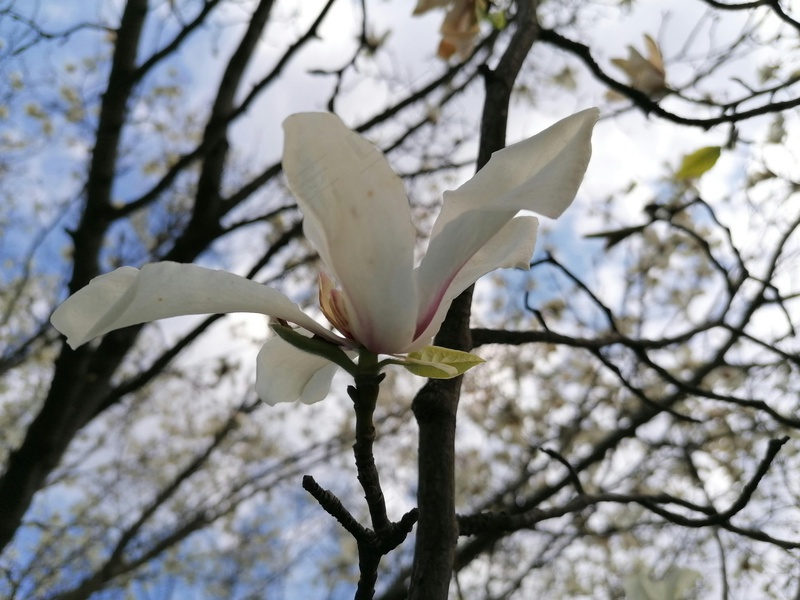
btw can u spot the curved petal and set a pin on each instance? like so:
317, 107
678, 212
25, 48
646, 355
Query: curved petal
356, 214
541, 174
286, 374
511, 247
129, 296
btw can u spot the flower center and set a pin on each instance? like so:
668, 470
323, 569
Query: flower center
332, 304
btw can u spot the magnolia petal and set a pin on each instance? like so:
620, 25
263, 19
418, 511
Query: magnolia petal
356, 214
286, 374
643, 74
541, 174
129, 296
511, 247
459, 29
654, 53
426, 5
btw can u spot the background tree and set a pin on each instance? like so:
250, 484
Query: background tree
637, 417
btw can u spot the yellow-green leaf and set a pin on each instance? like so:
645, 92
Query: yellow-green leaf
497, 19
435, 362
698, 162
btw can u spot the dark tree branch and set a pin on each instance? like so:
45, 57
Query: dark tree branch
365, 396
41, 34
576, 480
435, 406
97, 213
372, 545
509, 522
648, 105
145, 550
643, 415
175, 43
773, 5
440, 82
482, 336
115, 560
207, 209
334, 507
385, 535
310, 34
224, 113
66, 406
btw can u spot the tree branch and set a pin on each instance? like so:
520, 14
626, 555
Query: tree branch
644, 102
67, 403
436, 404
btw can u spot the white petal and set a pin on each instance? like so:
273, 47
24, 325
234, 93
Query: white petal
286, 374
131, 296
541, 174
511, 247
356, 214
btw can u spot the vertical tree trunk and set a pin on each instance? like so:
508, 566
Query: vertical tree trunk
54, 427
436, 404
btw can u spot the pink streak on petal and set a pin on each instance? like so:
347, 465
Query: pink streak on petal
433, 306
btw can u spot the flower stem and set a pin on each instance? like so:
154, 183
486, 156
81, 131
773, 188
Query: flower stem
365, 396
384, 536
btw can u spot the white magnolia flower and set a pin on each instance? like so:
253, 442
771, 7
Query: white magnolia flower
460, 26
644, 74
356, 215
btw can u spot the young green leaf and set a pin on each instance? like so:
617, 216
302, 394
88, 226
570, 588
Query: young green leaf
698, 162
435, 362
497, 19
